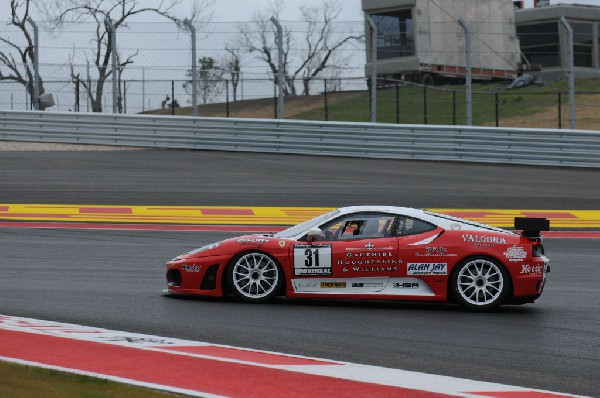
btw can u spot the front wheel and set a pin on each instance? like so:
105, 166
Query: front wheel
254, 277
480, 284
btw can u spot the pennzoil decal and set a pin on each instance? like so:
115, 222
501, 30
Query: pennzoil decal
250, 241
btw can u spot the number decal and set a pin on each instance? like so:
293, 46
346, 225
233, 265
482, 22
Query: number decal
308, 261
312, 260
309, 257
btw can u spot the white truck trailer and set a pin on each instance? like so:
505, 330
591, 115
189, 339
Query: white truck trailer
422, 40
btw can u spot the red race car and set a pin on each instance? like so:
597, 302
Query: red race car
373, 252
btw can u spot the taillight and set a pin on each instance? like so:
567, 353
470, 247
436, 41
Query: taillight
537, 249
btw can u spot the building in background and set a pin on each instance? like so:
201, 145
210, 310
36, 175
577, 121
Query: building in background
544, 40
421, 40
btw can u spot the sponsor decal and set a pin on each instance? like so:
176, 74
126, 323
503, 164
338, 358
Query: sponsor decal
406, 285
374, 269
281, 243
312, 260
377, 285
527, 269
305, 284
483, 239
455, 226
515, 253
136, 340
427, 269
377, 258
369, 254
333, 285
253, 240
190, 268
368, 262
435, 252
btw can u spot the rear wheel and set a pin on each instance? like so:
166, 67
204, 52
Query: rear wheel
480, 284
254, 277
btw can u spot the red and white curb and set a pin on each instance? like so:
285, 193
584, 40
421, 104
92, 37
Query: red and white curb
211, 370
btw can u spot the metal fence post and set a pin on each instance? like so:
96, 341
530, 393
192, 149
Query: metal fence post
425, 104
559, 110
497, 100
226, 98
325, 99
192, 29
373, 69
280, 100
570, 70
36, 65
113, 56
469, 71
172, 97
397, 103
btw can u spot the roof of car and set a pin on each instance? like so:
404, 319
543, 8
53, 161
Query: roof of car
444, 221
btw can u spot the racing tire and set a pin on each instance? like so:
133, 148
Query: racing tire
480, 284
254, 277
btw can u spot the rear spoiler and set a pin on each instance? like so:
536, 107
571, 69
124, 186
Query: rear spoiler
532, 227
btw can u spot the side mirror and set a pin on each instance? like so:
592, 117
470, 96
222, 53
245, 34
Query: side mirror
314, 234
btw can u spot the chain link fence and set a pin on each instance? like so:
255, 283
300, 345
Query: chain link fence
234, 78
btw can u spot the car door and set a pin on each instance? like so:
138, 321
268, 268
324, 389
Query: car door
425, 263
356, 255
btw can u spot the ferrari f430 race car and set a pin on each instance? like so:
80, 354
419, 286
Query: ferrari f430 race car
373, 252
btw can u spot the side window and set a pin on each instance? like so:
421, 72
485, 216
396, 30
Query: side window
412, 226
359, 226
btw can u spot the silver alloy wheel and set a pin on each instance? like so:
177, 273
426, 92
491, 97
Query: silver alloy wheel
255, 275
480, 282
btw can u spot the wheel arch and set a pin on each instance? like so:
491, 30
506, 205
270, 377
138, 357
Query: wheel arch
465, 259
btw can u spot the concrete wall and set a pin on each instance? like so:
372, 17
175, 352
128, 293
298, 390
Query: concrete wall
441, 41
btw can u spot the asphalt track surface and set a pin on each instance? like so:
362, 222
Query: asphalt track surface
111, 279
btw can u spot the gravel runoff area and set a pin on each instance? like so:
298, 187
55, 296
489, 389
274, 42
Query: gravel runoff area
15, 146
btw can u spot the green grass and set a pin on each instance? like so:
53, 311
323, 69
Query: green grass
447, 107
19, 381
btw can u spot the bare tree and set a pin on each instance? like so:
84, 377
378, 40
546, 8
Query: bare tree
316, 44
20, 69
260, 37
321, 45
119, 12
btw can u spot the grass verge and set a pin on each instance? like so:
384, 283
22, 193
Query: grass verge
20, 381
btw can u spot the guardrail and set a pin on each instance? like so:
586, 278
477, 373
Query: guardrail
424, 142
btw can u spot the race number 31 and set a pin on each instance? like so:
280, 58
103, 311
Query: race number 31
312, 260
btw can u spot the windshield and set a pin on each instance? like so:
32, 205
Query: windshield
306, 225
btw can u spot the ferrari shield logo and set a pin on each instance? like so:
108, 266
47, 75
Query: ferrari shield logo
281, 243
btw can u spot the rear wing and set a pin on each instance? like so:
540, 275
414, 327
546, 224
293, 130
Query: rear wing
532, 227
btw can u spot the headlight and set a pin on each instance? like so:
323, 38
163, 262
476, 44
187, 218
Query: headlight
205, 248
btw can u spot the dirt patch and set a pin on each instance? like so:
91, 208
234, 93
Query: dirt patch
587, 116
264, 108
14, 146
